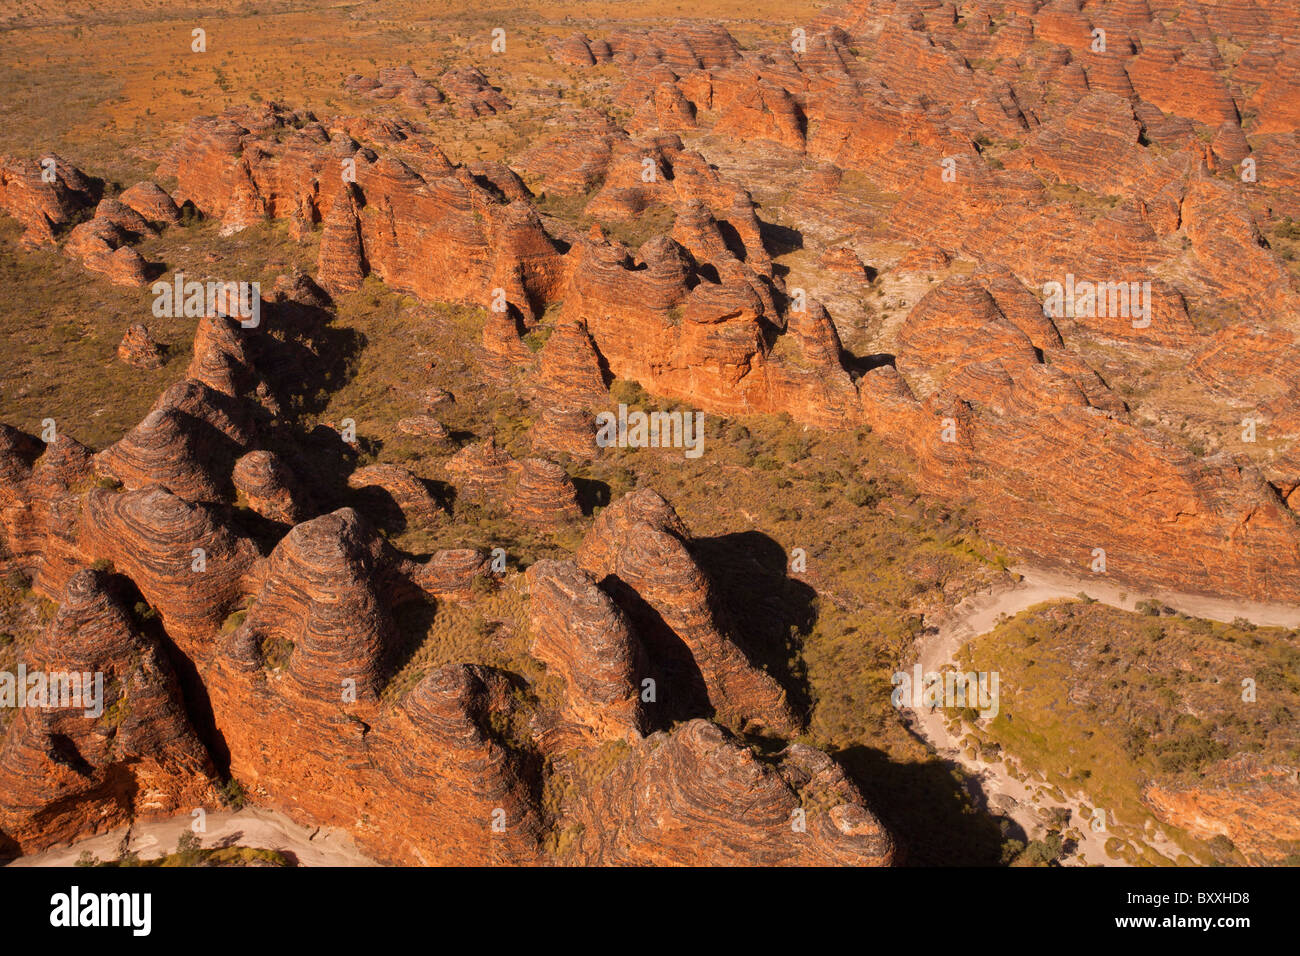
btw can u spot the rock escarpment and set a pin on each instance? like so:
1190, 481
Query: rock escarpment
1253, 804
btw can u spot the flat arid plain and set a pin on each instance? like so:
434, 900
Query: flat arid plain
638, 433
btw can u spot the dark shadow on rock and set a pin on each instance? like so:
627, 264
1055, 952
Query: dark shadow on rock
63, 750
859, 365
767, 612
193, 690
307, 360
379, 505
930, 809
214, 450
591, 494
262, 531
779, 239
731, 238
320, 460
9, 848
708, 272
680, 688
412, 620
443, 492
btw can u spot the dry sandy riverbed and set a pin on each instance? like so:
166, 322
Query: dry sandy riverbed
1029, 802
251, 827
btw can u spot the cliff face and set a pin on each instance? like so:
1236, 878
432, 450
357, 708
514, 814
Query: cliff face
1253, 804
390, 202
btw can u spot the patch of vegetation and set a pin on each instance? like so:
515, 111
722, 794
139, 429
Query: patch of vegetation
654, 220
233, 793
1288, 228
536, 338
190, 852
276, 652
1104, 701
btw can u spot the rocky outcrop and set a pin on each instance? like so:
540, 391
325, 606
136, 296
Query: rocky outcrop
41, 505
683, 46
425, 427
430, 779
105, 738
453, 574
699, 797
467, 791
701, 336
569, 370
320, 603
270, 487
970, 155
428, 227
637, 549
176, 450
583, 637
152, 203
845, 260
389, 487
342, 261
124, 217
138, 348
44, 195
102, 246
458, 91
189, 567
544, 493
482, 470
220, 359
563, 430
536, 490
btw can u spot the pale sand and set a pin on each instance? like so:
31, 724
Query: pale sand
252, 827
